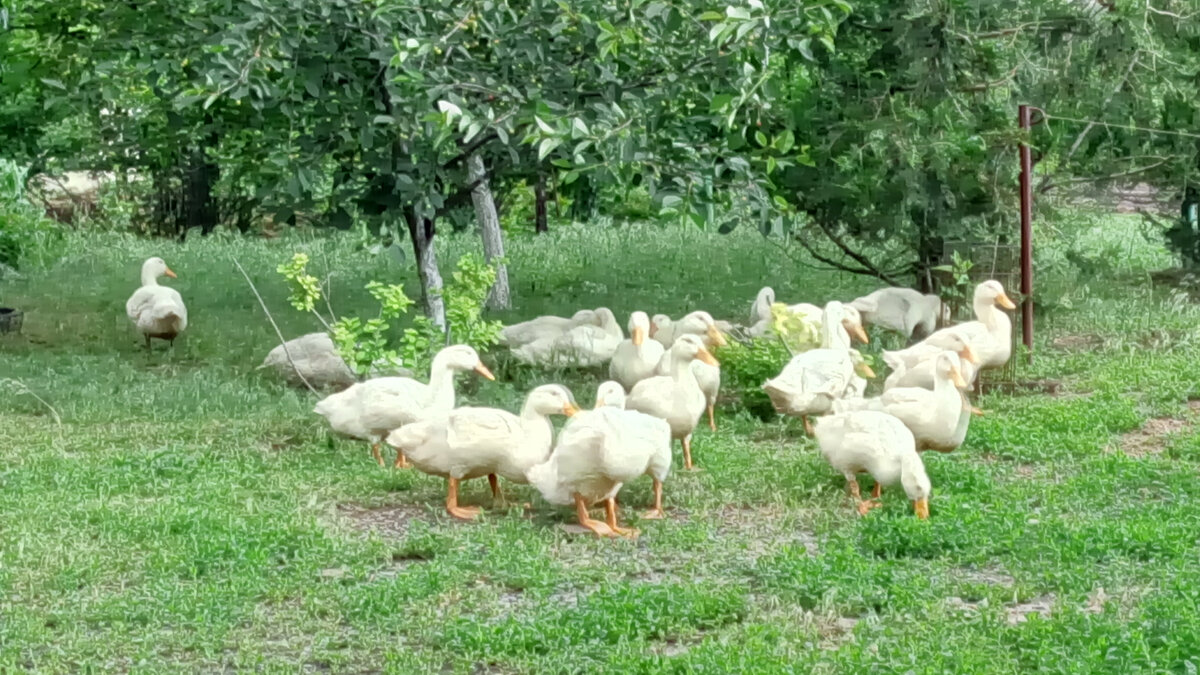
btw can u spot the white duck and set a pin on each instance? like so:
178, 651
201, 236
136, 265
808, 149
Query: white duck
990, 335
666, 331
545, 326
371, 410
707, 376
598, 452
812, 380
903, 310
157, 311
879, 444
677, 397
921, 374
636, 358
316, 361
467, 443
583, 346
932, 416
760, 311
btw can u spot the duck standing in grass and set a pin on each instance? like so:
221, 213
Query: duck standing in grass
469, 442
157, 311
989, 335
598, 452
936, 417
676, 398
879, 444
636, 358
371, 410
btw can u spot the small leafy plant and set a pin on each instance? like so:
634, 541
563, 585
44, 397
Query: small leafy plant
23, 226
958, 288
365, 343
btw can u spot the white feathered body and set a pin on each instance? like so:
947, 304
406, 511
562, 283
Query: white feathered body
157, 311
599, 451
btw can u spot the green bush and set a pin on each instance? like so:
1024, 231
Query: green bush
365, 344
24, 230
745, 366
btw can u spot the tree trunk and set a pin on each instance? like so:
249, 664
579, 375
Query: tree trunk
421, 232
489, 229
539, 193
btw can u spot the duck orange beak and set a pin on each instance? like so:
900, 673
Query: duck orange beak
570, 409
170, 273
1004, 301
856, 330
921, 508
482, 370
639, 335
957, 378
968, 354
715, 337
706, 356
865, 371
976, 411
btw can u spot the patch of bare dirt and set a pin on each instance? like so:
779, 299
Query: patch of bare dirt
392, 521
764, 528
1150, 438
1020, 612
1024, 387
1078, 342
991, 576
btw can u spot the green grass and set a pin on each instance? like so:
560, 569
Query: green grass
192, 514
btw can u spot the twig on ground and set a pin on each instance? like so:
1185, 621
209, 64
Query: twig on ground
282, 340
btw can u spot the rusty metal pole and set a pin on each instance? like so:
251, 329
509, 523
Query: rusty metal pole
1023, 119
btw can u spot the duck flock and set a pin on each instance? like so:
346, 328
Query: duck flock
664, 379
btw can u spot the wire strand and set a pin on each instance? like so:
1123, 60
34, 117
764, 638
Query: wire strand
1109, 125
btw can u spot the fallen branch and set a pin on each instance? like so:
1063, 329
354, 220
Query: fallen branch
22, 388
262, 303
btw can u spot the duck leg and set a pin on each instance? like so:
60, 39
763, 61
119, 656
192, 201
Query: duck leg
599, 527
148, 343
656, 513
378, 455
712, 422
610, 517
452, 507
863, 506
877, 490
497, 495
401, 461
808, 429
687, 453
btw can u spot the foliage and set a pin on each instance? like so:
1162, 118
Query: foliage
957, 287
745, 366
235, 516
791, 328
1183, 234
366, 344
23, 226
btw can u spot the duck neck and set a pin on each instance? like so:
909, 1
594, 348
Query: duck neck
149, 278
834, 335
681, 369
538, 433
441, 386
985, 312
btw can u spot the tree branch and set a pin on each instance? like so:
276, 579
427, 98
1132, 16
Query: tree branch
1047, 186
869, 268
262, 303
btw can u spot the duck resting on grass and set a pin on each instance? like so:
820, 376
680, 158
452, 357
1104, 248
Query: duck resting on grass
157, 311
597, 452
469, 442
813, 380
879, 444
371, 410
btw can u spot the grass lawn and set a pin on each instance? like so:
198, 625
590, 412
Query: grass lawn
190, 514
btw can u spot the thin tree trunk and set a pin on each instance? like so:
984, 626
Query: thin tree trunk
541, 226
420, 232
489, 229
